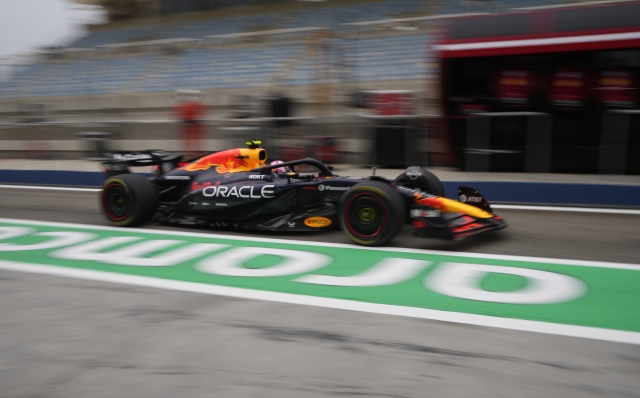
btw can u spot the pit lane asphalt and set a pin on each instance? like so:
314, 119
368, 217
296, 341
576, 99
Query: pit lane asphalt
567, 235
66, 337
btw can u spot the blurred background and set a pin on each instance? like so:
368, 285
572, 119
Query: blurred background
476, 85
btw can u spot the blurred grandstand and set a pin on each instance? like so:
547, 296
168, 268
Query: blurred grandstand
316, 52
153, 47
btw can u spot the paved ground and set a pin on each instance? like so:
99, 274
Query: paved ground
64, 337
68, 338
603, 237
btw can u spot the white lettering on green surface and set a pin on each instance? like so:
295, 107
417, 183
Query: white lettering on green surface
460, 280
59, 239
231, 263
463, 280
388, 271
133, 255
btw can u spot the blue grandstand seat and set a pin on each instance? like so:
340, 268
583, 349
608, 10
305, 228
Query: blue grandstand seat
390, 58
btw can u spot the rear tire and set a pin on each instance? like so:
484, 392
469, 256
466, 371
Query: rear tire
418, 178
128, 200
371, 213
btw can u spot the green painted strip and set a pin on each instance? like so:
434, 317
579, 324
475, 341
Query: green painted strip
600, 295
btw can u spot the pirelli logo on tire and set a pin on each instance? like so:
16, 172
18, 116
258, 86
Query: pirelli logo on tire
317, 222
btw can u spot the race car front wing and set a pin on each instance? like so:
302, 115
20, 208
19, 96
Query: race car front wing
438, 217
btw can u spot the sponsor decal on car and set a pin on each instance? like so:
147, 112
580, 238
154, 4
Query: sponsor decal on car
413, 174
291, 224
254, 192
115, 167
235, 163
196, 186
469, 199
177, 178
229, 161
405, 189
317, 222
200, 165
424, 213
221, 204
131, 156
256, 176
332, 188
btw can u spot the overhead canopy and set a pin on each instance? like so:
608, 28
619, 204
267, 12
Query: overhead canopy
266, 33
147, 43
603, 26
568, 5
412, 19
578, 42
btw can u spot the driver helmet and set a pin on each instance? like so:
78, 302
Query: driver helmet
279, 169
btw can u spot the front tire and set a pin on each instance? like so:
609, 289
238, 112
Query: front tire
128, 200
418, 178
372, 213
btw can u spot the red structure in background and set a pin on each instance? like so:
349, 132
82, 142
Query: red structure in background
392, 102
568, 89
514, 87
617, 88
190, 110
571, 62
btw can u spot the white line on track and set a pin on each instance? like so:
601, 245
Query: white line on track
617, 336
568, 209
45, 188
506, 207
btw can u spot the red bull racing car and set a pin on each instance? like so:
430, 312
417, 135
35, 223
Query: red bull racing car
236, 188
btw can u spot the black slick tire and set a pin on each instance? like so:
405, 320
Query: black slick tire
371, 213
418, 178
128, 200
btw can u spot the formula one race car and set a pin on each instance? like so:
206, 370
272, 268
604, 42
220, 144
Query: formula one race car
236, 188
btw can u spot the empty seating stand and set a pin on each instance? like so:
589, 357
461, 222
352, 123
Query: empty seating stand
403, 57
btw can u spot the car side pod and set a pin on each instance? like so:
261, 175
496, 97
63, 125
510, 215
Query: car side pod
443, 218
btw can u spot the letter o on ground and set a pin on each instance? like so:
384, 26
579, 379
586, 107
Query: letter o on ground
463, 281
293, 262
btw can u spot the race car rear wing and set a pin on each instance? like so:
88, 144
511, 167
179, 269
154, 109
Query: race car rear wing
121, 161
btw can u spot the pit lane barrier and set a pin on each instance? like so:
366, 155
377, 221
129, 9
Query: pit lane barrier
541, 193
529, 142
614, 194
